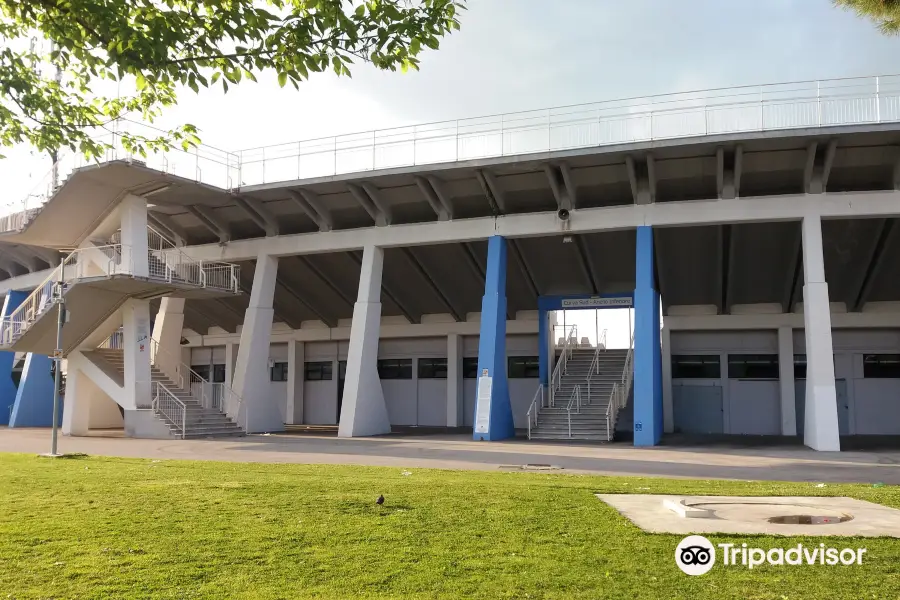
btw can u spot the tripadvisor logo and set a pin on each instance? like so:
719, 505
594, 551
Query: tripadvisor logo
696, 555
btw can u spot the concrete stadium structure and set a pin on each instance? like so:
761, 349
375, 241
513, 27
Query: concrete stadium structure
410, 277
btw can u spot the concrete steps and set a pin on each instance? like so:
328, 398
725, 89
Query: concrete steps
200, 421
589, 423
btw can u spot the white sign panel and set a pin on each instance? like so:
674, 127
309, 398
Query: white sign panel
596, 302
483, 401
143, 336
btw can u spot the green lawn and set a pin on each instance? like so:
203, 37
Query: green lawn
125, 528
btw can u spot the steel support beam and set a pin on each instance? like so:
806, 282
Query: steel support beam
445, 200
431, 197
168, 227
587, 264
378, 216
329, 283
795, 268
569, 181
516, 251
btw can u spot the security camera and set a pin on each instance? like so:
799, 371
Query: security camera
562, 214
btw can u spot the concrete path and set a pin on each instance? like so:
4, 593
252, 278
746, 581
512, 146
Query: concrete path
776, 463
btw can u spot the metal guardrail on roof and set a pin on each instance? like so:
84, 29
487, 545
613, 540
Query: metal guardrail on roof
806, 104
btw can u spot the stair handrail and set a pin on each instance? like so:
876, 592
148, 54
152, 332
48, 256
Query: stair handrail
167, 404
595, 364
574, 398
197, 272
208, 398
627, 373
610, 413
536, 404
569, 342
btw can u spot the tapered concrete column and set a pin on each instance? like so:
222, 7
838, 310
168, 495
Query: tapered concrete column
7, 386
648, 404
363, 411
296, 360
820, 431
167, 331
455, 404
493, 411
34, 398
133, 215
76, 405
786, 380
231, 352
259, 413
136, 339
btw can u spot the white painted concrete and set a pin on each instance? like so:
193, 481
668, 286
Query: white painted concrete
133, 213
688, 213
786, 380
136, 339
295, 362
363, 409
820, 430
251, 372
167, 328
455, 400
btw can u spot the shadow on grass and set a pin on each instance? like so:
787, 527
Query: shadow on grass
70, 455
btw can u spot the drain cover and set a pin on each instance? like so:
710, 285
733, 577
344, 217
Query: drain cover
810, 519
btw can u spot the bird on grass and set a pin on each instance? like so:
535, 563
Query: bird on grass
380, 500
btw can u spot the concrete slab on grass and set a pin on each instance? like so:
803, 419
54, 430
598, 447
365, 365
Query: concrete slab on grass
750, 515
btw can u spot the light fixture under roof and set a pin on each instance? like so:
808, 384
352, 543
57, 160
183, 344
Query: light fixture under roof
567, 239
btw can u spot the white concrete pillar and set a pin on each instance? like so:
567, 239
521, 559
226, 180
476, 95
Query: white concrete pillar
820, 430
136, 338
167, 330
786, 380
230, 359
259, 413
76, 405
133, 215
668, 406
455, 403
363, 411
296, 360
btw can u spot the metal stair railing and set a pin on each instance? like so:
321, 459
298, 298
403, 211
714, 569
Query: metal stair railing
536, 404
575, 399
595, 364
618, 396
167, 405
167, 262
569, 343
214, 395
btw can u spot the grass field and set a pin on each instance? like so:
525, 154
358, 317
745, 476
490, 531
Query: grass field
127, 528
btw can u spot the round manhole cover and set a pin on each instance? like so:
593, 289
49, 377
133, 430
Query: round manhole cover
810, 519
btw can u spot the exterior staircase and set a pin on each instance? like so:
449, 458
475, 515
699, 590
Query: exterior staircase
200, 421
586, 397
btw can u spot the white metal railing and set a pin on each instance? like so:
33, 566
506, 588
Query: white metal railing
594, 368
166, 404
165, 263
215, 395
570, 341
537, 403
618, 396
574, 400
115, 341
803, 104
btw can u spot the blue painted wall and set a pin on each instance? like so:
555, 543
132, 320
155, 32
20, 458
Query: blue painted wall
34, 399
7, 386
648, 419
492, 347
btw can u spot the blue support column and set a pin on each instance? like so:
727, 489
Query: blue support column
7, 386
493, 412
648, 418
34, 399
543, 347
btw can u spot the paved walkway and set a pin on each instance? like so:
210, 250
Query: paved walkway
776, 463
